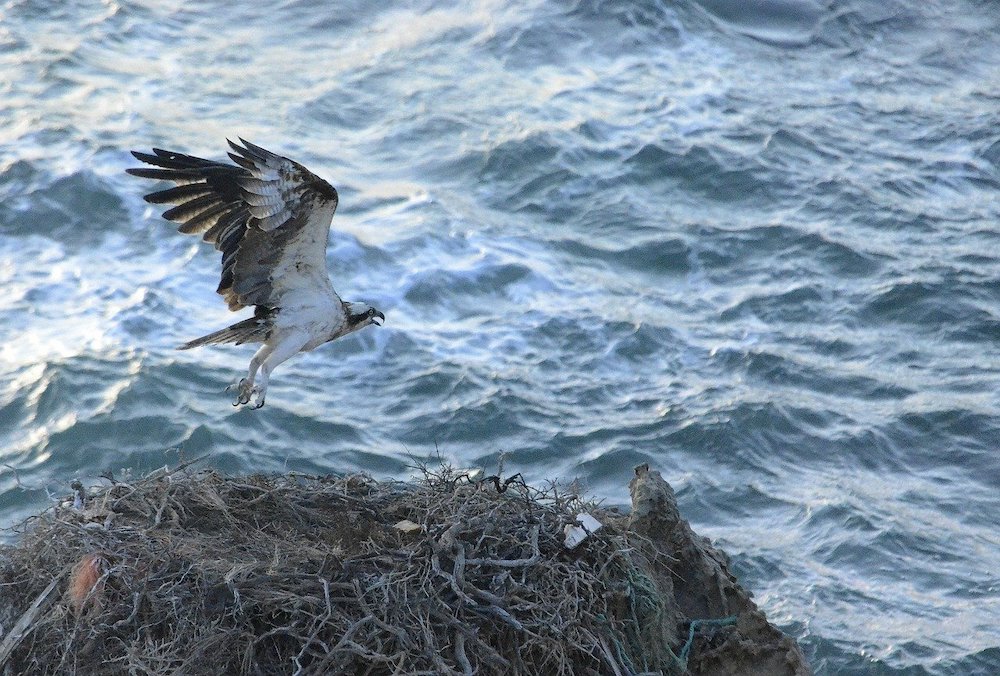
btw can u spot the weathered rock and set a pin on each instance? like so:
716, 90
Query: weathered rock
698, 576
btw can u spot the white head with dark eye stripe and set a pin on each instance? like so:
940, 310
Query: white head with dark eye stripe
360, 315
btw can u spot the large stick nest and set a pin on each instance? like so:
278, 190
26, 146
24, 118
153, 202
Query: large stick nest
194, 573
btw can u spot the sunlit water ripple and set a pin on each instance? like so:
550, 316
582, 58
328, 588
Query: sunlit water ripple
753, 244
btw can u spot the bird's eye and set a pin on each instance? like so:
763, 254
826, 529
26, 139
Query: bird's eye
371, 312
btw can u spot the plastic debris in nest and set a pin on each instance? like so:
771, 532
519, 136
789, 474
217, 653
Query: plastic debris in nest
206, 574
575, 534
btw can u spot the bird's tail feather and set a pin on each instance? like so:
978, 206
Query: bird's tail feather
253, 330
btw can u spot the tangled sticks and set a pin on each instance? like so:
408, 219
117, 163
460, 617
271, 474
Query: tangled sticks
194, 573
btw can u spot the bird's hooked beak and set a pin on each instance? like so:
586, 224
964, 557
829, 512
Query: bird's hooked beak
378, 318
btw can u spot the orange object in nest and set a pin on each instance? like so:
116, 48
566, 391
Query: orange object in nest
86, 583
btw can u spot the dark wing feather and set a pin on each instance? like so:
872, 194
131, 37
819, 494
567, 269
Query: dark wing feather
180, 194
262, 214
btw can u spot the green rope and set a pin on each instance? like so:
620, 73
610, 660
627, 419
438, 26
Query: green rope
695, 626
645, 609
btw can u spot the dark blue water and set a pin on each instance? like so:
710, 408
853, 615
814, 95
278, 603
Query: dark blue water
754, 244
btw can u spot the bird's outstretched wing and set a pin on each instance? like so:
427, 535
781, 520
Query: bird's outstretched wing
269, 216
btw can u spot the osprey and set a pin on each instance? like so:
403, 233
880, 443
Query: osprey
270, 217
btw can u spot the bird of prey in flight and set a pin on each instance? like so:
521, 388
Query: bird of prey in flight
270, 217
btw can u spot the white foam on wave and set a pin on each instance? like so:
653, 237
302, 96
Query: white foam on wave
600, 235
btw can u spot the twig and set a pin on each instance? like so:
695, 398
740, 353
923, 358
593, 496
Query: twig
460, 655
25, 623
513, 563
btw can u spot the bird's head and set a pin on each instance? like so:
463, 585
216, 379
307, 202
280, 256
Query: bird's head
360, 315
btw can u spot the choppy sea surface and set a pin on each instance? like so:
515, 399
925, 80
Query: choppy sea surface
753, 243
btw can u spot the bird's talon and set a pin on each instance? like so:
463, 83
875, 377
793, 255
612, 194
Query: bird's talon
245, 391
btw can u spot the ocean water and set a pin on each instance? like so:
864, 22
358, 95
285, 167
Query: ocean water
753, 243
